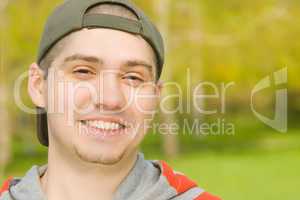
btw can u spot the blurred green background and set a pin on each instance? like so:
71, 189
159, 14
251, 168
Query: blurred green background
219, 41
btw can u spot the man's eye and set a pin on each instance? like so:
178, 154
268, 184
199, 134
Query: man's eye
135, 78
83, 71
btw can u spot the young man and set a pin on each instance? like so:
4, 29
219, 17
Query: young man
96, 85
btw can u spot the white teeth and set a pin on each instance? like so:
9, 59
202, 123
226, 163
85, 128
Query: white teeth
103, 125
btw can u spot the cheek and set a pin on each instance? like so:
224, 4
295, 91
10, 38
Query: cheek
82, 98
146, 101
76, 98
78, 101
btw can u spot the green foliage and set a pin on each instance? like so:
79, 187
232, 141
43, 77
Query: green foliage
218, 41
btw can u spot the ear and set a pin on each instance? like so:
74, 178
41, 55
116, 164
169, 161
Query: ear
36, 84
159, 87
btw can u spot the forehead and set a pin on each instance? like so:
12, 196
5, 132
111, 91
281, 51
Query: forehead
111, 46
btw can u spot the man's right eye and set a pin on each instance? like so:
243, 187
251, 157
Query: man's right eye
83, 73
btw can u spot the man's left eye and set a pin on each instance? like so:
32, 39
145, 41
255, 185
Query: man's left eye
135, 78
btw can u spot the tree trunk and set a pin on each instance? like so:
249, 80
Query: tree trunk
5, 133
170, 139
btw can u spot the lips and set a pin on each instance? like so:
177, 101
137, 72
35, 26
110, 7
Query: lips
103, 127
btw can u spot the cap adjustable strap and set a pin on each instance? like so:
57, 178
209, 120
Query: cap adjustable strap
113, 22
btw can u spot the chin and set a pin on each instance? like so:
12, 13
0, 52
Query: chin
100, 155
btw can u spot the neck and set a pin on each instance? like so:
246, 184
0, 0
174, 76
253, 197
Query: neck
75, 179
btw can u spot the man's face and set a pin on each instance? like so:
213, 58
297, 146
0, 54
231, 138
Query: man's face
103, 93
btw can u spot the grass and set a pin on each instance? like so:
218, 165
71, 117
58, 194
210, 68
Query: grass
263, 169
260, 175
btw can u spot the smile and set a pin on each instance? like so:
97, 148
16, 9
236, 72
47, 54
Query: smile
106, 126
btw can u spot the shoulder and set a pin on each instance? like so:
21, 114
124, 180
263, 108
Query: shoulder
207, 196
183, 185
5, 186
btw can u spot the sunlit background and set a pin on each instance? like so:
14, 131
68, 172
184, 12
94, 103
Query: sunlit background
220, 42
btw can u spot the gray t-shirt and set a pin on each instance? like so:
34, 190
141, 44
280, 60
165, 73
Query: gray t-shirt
147, 180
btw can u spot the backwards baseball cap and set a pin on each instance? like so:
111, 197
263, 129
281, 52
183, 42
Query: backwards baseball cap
71, 16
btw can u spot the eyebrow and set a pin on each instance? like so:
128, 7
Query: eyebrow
91, 59
134, 63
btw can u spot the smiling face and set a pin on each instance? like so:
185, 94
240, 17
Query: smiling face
100, 95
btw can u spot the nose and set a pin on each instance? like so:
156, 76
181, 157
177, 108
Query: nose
111, 97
